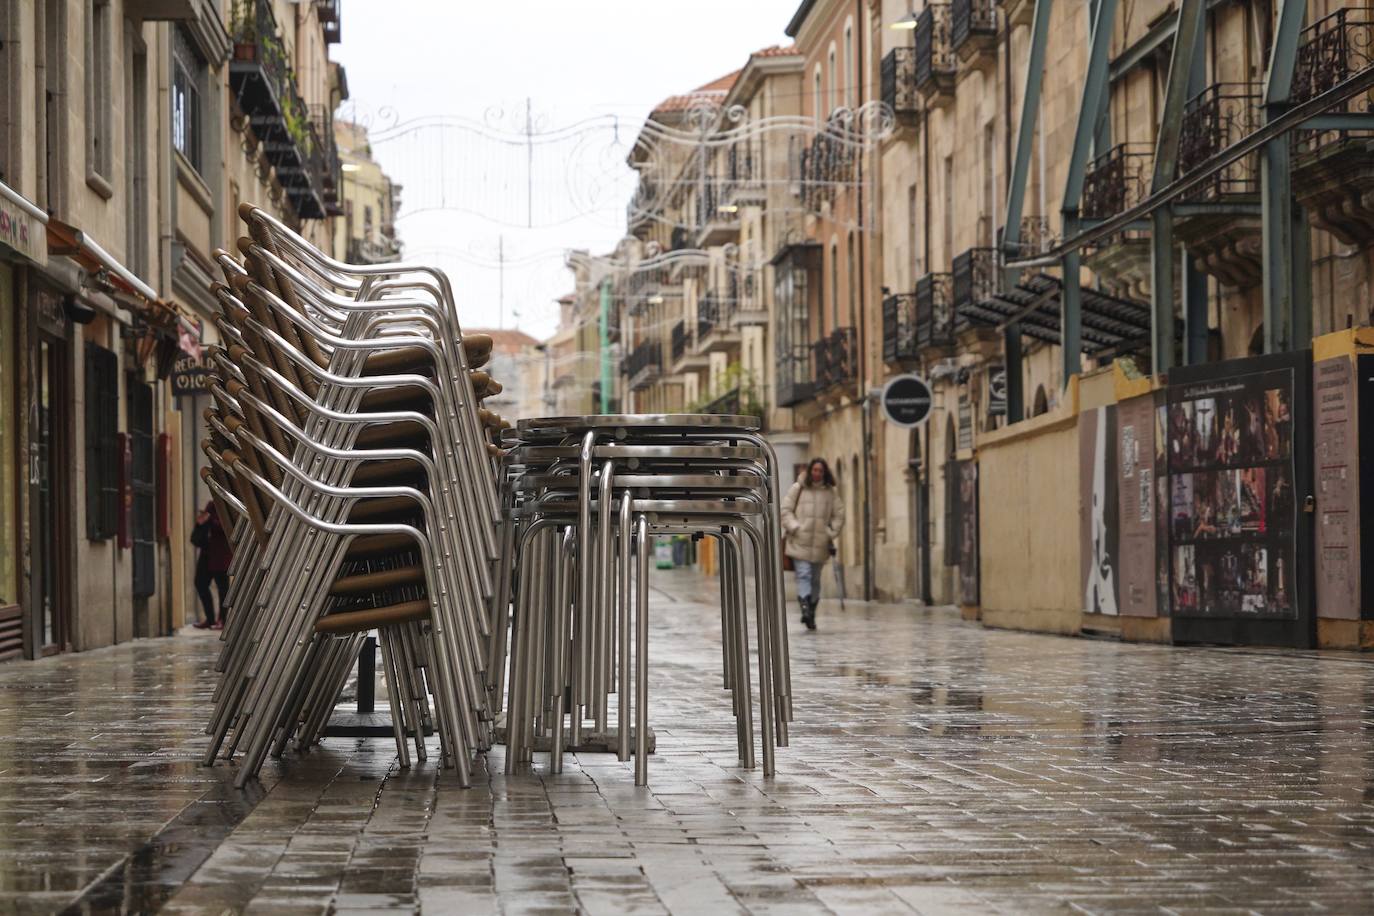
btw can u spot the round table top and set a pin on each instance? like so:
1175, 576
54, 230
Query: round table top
647, 421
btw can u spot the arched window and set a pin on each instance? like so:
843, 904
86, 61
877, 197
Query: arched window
1042, 402
834, 286
816, 104
852, 266
834, 82
849, 64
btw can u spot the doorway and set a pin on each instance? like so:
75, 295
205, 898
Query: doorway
50, 495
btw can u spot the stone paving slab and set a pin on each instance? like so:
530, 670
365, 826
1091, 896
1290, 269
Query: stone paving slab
935, 767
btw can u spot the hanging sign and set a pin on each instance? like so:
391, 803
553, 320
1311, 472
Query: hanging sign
22, 232
190, 376
997, 391
907, 401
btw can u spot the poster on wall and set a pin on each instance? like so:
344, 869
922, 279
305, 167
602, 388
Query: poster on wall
1238, 455
1135, 494
1097, 453
1335, 441
968, 533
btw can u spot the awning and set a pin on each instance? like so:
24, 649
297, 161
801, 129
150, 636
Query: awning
67, 240
1111, 325
21, 226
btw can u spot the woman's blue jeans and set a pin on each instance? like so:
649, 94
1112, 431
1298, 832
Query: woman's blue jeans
808, 578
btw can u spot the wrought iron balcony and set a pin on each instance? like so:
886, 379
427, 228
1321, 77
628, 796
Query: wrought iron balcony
709, 315
639, 212
366, 251
972, 23
329, 20
934, 55
1115, 180
682, 338
898, 77
644, 363
935, 323
836, 358
1331, 51
717, 221
899, 327
331, 176
1212, 120
265, 88
743, 182
826, 165
974, 276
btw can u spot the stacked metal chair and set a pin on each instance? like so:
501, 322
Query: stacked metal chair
350, 453
582, 497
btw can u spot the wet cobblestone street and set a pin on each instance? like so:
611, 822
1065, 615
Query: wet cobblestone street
935, 767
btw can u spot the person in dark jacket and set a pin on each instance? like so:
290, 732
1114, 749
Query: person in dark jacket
212, 565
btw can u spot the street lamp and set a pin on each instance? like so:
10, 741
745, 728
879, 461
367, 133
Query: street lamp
906, 23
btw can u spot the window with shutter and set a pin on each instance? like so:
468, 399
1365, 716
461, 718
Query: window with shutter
102, 452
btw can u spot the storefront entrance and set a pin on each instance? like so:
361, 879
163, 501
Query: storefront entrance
50, 479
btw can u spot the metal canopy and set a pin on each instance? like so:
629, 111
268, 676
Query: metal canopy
1111, 325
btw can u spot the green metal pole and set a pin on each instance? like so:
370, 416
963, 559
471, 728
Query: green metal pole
605, 405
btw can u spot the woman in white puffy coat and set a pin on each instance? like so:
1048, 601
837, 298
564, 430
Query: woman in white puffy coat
812, 516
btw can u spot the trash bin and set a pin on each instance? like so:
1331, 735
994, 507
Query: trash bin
663, 553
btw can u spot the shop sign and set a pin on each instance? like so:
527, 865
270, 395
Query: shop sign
190, 376
22, 232
907, 401
49, 312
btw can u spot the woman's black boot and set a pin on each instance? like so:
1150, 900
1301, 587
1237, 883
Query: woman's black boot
809, 612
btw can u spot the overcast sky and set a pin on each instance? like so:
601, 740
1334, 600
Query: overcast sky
410, 60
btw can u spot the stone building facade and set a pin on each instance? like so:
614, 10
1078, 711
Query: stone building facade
130, 130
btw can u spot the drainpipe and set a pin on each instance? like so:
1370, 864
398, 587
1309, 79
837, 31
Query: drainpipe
862, 330
605, 405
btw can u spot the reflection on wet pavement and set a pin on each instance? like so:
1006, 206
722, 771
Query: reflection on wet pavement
934, 766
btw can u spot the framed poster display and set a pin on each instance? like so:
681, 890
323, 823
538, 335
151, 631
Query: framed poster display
1238, 459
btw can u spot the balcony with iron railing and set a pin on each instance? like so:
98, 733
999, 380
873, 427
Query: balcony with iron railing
1220, 115
331, 178
826, 165
640, 211
682, 340
715, 323
1226, 242
899, 328
935, 318
1332, 173
836, 359
368, 251
717, 221
973, 27
644, 364
935, 61
265, 88
1330, 51
743, 183
1115, 180
897, 77
974, 276
330, 21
